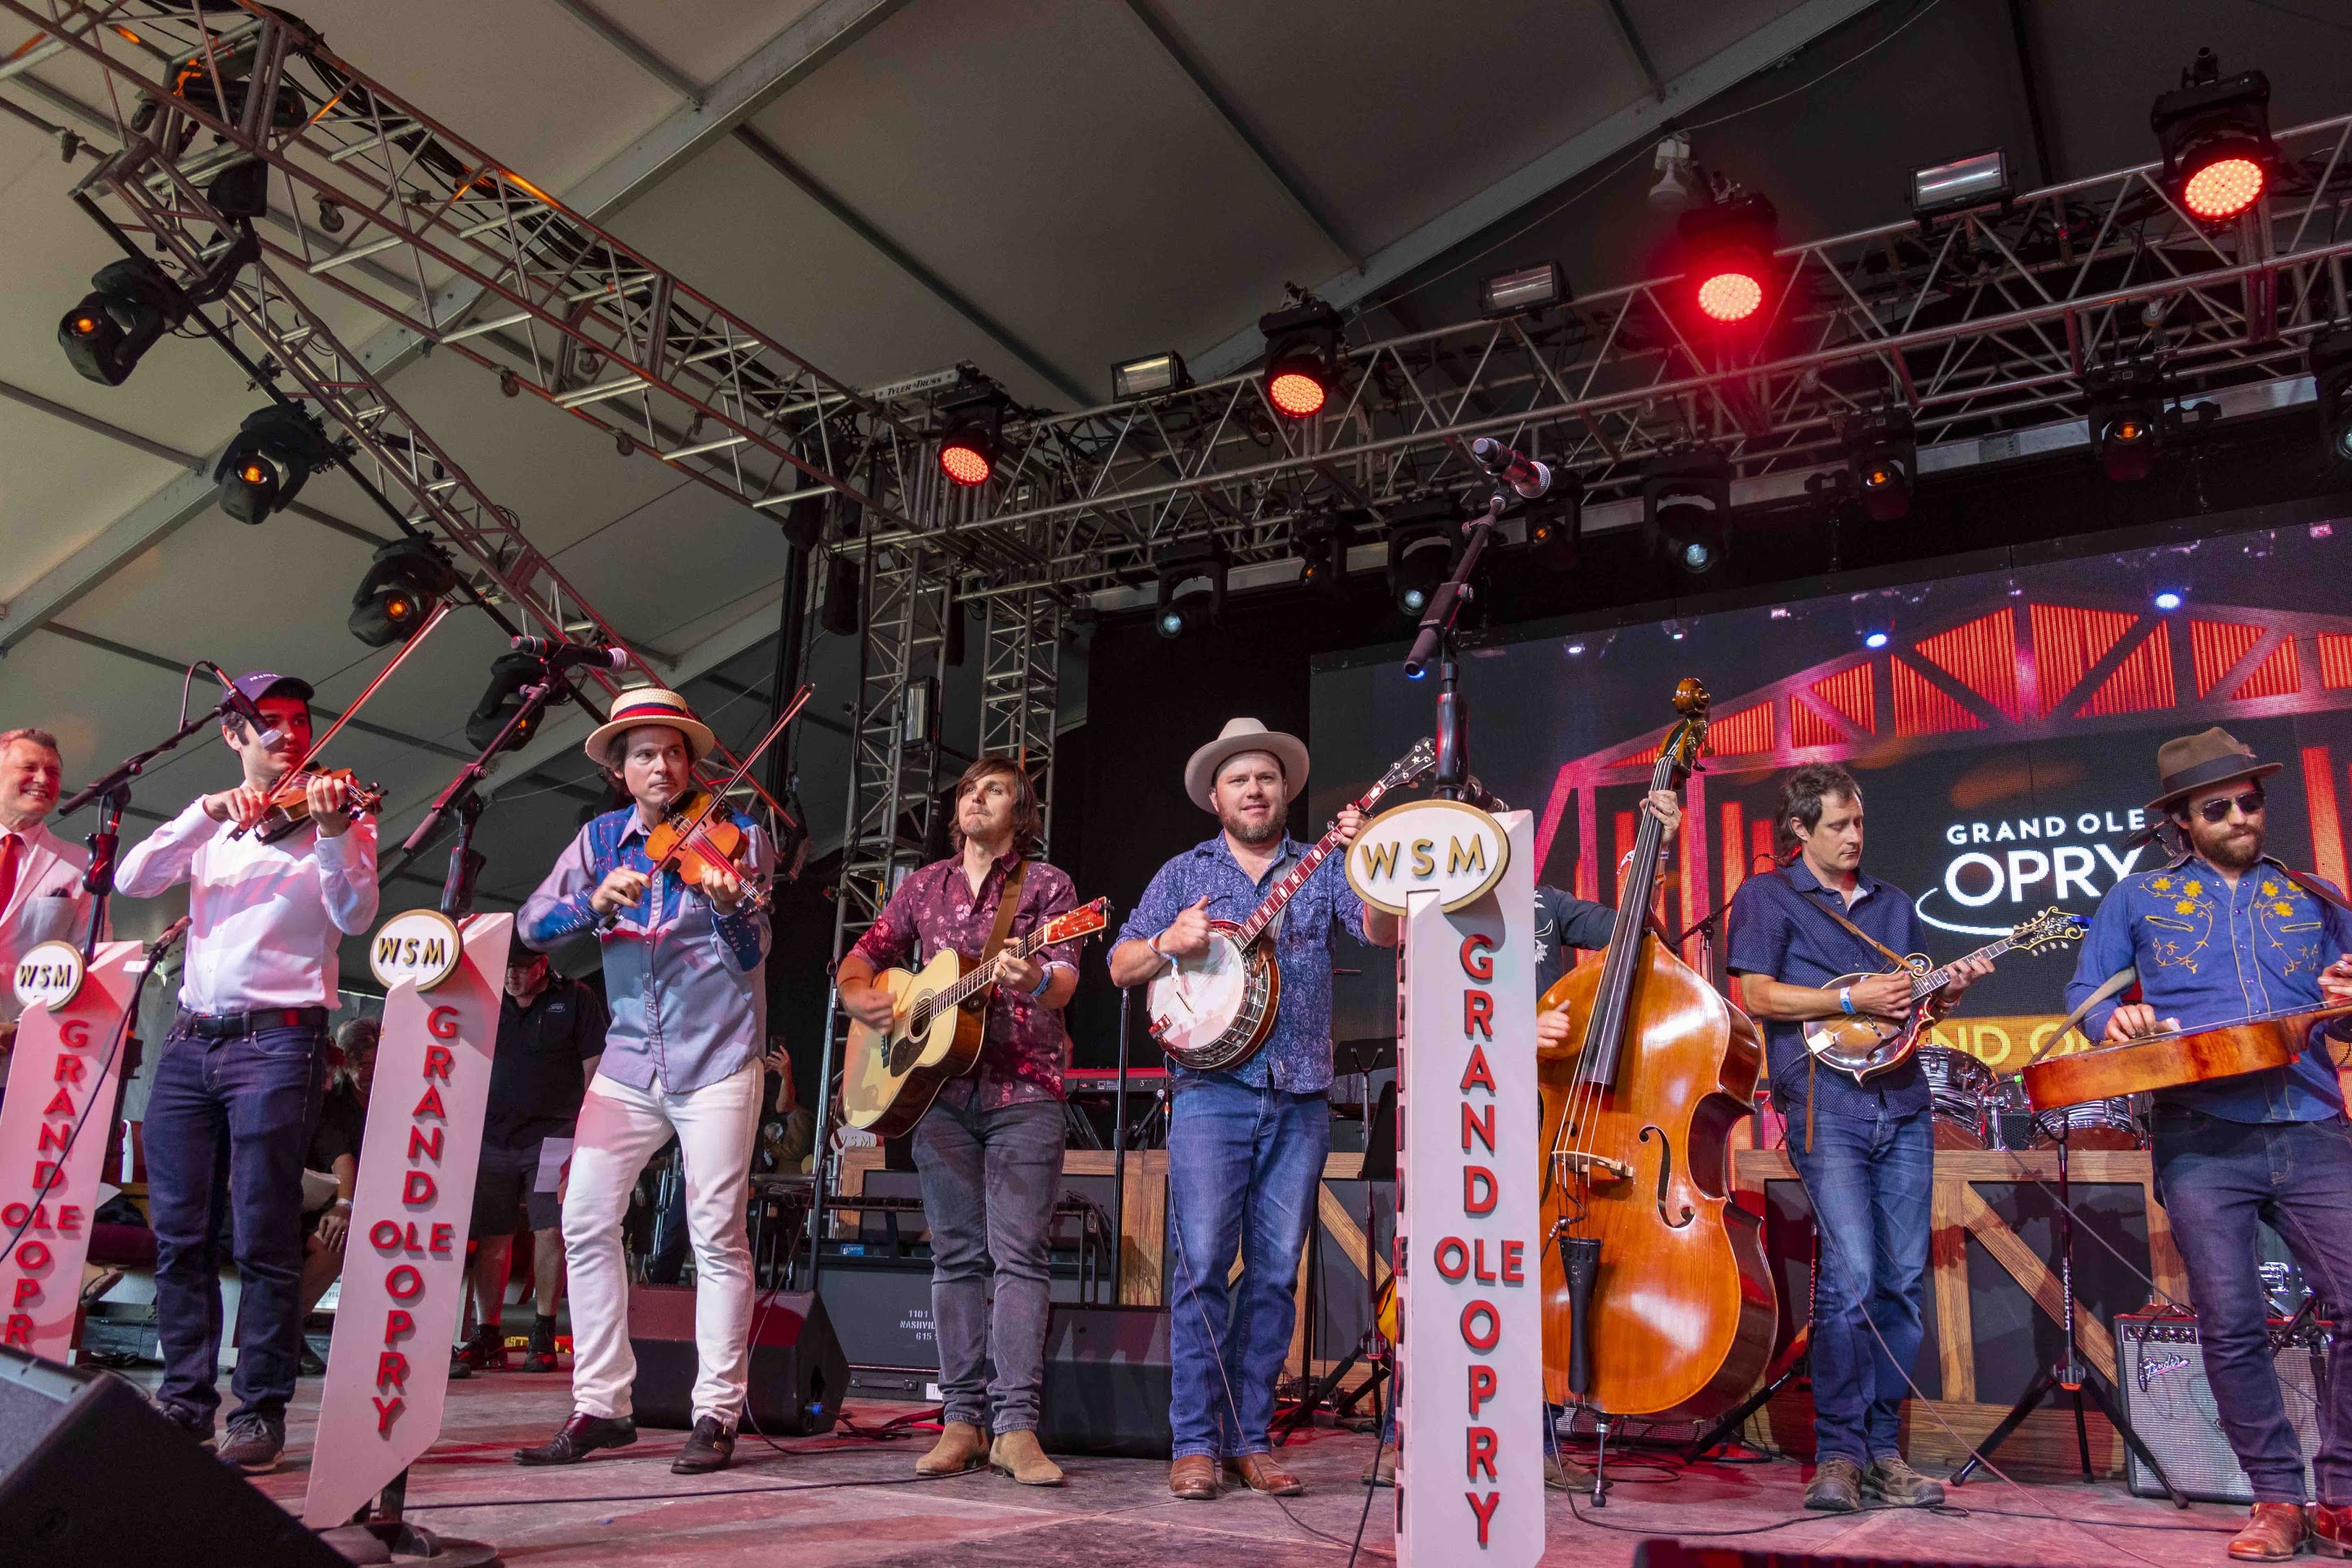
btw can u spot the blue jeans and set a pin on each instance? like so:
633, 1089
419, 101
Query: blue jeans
228, 1126
991, 1179
1243, 1168
2217, 1178
1869, 1178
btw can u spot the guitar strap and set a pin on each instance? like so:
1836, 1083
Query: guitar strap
1008, 904
1812, 1062
2316, 888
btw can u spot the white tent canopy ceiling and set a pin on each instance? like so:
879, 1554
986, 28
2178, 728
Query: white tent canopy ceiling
883, 188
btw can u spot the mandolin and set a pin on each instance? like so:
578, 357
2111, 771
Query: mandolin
1213, 1011
1866, 1043
890, 1077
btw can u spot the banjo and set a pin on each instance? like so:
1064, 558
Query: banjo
1214, 1011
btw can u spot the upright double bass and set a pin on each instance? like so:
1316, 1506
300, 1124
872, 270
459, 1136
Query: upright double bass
1657, 1301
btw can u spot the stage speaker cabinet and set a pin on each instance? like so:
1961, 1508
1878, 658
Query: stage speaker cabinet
2161, 1369
798, 1372
1106, 1383
91, 1476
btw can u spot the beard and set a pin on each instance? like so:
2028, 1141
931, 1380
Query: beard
2229, 849
1257, 835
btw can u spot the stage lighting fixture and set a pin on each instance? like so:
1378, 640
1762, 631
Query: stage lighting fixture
1686, 508
1575, 647
1678, 177
2215, 136
1422, 539
509, 673
267, 461
1726, 249
842, 611
406, 579
971, 432
130, 305
1875, 640
1882, 454
1522, 291
1556, 525
2168, 600
1302, 357
1322, 541
2125, 414
1149, 376
1962, 185
1191, 585
2331, 372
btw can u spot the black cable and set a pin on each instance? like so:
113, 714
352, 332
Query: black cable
1682, 1535
674, 1496
1957, 1510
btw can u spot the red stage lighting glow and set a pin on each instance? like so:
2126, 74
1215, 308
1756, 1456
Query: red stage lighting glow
1297, 394
2223, 188
966, 465
1730, 297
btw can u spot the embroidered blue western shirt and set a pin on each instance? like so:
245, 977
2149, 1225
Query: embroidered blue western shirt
1296, 1056
687, 985
1775, 935
2210, 954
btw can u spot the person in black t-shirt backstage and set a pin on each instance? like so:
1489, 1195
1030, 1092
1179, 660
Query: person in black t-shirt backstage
335, 1152
551, 1032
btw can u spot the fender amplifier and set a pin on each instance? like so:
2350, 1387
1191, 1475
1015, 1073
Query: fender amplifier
798, 1374
2160, 1370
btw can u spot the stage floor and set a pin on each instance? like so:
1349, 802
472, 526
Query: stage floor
846, 1501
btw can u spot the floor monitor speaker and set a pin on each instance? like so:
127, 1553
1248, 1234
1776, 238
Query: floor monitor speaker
1106, 1382
798, 1374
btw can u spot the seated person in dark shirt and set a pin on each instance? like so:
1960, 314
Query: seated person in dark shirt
551, 1032
335, 1150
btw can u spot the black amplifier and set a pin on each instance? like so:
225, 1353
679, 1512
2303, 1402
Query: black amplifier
2160, 1369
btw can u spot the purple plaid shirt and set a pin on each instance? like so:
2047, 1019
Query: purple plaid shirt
935, 908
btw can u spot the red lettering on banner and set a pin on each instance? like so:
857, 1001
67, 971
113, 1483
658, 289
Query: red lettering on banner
397, 1325
1483, 1385
1484, 1511
1515, 1263
70, 1070
1493, 1327
392, 1370
404, 1283
420, 1144
47, 1174
1472, 1121
385, 1409
1474, 1203
19, 1332
26, 1290
62, 1105
32, 1255
75, 1033
1477, 1075
418, 1188
1477, 1013
430, 1105
69, 1219
445, 1237
440, 1059
1482, 1448
57, 1135
441, 1024
384, 1235
1478, 1269
15, 1217
1477, 955
1461, 1257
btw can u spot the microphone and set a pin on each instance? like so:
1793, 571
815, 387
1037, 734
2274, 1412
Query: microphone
561, 655
1522, 473
238, 703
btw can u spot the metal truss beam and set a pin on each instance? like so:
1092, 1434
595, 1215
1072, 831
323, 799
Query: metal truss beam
1020, 687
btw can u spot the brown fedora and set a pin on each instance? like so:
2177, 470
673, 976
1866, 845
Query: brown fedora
2194, 762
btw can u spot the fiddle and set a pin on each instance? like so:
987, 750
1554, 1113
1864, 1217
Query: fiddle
289, 801
695, 840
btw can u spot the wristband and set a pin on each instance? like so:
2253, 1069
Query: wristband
1845, 999
342, 1204
1154, 945
1044, 978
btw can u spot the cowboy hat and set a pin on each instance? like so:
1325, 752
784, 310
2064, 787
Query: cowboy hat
2196, 762
643, 705
1241, 735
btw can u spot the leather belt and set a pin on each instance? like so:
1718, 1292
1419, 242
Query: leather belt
231, 1025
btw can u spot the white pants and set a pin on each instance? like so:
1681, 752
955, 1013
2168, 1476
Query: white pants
620, 1129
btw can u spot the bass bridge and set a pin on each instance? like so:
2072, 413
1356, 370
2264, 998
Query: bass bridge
1578, 1162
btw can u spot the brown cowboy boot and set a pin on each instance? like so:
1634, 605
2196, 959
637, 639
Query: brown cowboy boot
1261, 1474
2331, 1531
2274, 1533
1194, 1478
961, 1446
1018, 1455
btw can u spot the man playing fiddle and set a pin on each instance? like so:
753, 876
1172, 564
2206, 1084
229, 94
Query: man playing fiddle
238, 1080
686, 981
2220, 933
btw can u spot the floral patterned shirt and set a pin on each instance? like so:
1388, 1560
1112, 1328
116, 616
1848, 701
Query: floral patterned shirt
2208, 954
934, 909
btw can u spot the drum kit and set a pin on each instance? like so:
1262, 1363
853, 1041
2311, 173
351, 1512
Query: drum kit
1973, 1109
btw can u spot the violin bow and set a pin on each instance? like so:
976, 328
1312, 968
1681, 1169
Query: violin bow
712, 801
439, 611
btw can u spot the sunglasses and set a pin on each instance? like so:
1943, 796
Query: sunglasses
2218, 811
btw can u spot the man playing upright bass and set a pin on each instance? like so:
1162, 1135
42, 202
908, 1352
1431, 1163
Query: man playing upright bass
2220, 933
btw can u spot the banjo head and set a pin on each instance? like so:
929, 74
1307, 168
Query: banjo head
1192, 1006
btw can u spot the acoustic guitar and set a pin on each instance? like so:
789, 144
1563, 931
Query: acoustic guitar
1867, 1044
937, 1022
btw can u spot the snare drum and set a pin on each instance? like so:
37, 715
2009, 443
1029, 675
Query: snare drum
2120, 1123
1959, 1090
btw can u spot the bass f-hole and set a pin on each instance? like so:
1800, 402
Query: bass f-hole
1667, 1176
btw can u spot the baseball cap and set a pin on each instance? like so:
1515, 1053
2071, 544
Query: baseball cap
257, 684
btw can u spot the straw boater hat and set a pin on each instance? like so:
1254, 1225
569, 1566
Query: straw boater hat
2198, 762
644, 705
1241, 735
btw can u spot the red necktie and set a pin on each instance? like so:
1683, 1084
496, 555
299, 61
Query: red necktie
12, 851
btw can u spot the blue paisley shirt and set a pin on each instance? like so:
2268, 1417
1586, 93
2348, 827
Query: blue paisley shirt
2210, 954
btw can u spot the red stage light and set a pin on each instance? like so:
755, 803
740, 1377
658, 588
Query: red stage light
1730, 296
2223, 188
85, 325
964, 463
1297, 394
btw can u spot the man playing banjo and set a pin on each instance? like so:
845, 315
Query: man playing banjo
2219, 933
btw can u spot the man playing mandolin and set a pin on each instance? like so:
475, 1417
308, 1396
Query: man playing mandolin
990, 1149
685, 979
2220, 933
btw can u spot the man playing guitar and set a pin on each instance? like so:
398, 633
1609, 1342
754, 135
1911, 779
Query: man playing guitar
1245, 1145
990, 1149
2218, 933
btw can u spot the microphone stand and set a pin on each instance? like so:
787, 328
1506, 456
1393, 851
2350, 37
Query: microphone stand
466, 862
1437, 641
